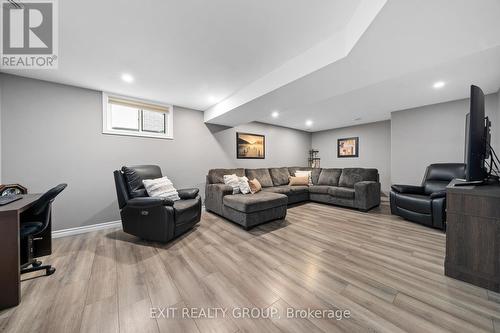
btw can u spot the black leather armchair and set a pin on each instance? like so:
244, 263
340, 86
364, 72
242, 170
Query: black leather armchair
154, 218
426, 204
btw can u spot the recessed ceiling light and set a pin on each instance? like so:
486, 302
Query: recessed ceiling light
439, 84
212, 99
309, 123
275, 114
127, 78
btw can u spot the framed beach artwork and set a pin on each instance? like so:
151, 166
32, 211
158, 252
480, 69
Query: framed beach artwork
250, 145
348, 147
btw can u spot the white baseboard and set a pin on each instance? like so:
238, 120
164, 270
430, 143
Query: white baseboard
90, 228
86, 228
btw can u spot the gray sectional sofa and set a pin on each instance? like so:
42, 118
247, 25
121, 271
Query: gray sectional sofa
350, 187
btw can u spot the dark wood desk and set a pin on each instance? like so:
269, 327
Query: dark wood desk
473, 235
9, 249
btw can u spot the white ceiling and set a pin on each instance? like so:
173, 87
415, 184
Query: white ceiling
409, 46
331, 61
191, 53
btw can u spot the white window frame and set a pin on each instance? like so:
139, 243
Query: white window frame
106, 117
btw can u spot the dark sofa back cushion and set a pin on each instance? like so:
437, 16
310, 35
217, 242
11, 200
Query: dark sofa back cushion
279, 176
136, 174
314, 174
329, 177
216, 176
262, 175
351, 176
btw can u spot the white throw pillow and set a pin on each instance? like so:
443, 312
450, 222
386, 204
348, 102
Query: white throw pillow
233, 181
243, 184
303, 173
161, 187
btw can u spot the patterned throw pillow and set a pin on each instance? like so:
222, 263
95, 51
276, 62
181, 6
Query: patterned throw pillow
161, 187
243, 184
233, 181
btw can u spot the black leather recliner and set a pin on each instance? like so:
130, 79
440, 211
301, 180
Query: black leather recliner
154, 218
426, 204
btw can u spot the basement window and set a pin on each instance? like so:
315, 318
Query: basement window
133, 117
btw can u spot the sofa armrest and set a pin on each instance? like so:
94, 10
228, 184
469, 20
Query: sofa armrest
149, 202
408, 189
214, 196
188, 193
220, 188
438, 194
366, 194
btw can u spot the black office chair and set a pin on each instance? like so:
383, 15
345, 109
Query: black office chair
33, 222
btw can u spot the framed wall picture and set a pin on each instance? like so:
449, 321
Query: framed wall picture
348, 147
250, 145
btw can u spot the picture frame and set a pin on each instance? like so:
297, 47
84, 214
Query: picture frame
250, 146
348, 147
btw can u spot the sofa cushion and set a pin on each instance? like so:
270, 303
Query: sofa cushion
319, 189
136, 174
351, 176
414, 202
341, 192
250, 203
216, 176
262, 175
329, 177
279, 176
299, 189
314, 172
286, 189
283, 189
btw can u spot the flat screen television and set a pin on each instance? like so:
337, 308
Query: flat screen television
477, 138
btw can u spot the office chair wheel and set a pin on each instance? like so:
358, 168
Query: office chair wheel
37, 263
50, 271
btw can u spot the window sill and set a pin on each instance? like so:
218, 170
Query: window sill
142, 135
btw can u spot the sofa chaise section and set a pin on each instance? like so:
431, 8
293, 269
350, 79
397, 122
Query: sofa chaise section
249, 210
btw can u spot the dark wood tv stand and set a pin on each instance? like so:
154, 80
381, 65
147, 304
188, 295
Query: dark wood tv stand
473, 235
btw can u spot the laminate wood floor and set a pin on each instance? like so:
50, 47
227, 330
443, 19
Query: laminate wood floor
386, 272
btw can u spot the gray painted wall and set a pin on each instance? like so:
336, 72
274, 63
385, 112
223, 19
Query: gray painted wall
58, 139
57, 131
374, 148
432, 134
